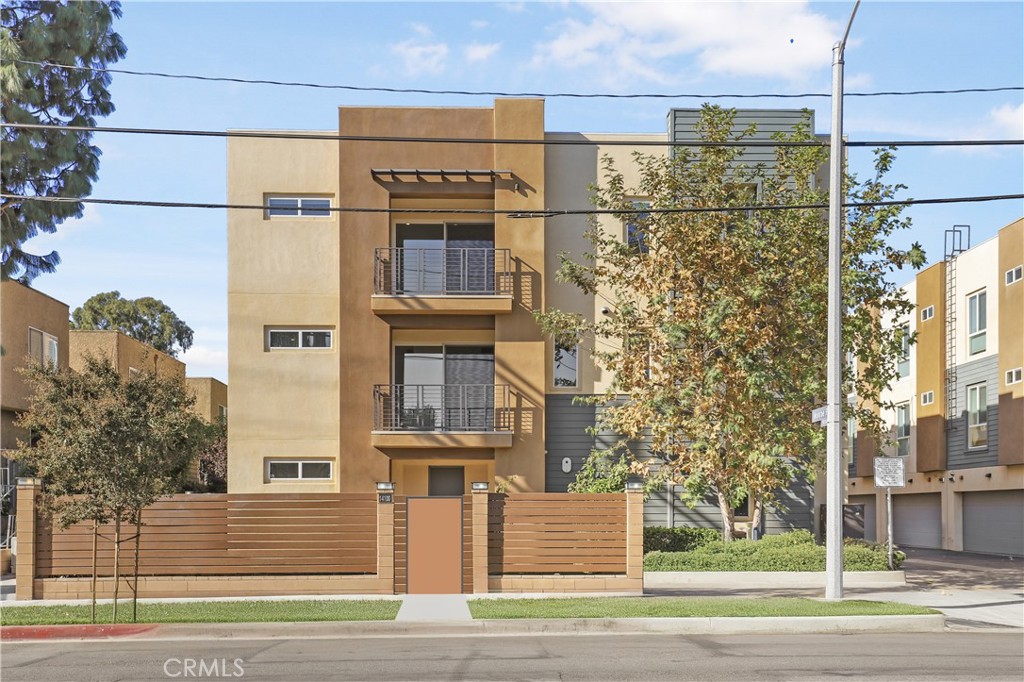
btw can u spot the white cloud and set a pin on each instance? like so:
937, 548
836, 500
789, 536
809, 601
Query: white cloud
480, 52
1007, 121
479, 24
645, 40
202, 361
421, 57
423, 30
856, 81
44, 242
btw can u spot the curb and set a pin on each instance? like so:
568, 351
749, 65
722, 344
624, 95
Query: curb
505, 628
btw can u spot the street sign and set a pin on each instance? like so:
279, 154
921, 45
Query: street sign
820, 414
889, 472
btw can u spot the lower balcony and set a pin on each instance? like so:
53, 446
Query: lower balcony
442, 416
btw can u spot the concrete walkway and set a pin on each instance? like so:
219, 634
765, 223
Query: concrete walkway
433, 608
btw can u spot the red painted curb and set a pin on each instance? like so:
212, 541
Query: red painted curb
32, 632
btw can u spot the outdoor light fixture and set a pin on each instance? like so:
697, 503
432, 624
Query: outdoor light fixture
480, 486
385, 486
988, 475
634, 486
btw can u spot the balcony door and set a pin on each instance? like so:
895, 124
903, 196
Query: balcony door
445, 258
445, 388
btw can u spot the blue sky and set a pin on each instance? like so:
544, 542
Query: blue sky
179, 255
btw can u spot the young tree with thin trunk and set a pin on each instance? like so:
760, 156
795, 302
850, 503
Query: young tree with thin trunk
716, 336
108, 447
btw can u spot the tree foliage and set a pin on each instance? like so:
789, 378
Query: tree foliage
107, 446
50, 163
146, 319
213, 456
717, 333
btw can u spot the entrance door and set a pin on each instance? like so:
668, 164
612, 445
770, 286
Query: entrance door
446, 481
435, 545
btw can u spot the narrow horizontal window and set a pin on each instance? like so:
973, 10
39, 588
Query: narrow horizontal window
928, 397
1013, 376
300, 338
300, 469
927, 313
298, 207
1014, 275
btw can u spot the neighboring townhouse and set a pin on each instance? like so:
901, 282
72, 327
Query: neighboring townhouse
211, 398
33, 329
128, 355
377, 346
958, 415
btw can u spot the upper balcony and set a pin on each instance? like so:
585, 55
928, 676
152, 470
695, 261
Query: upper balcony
442, 416
442, 281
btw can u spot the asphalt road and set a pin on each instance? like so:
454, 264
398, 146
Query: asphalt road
989, 656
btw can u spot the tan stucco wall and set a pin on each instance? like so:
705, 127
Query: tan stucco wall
930, 370
281, 272
1011, 345
411, 475
22, 307
210, 395
125, 352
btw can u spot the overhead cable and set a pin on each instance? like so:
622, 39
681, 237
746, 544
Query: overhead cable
495, 93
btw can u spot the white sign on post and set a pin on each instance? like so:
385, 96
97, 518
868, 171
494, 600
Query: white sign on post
820, 414
889, 472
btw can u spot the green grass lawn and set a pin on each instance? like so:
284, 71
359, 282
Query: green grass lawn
207, 612
683, 607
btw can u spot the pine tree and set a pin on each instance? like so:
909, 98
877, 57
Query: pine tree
34, 36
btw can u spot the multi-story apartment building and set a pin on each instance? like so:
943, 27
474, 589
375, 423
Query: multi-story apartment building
128, 355
376, 333
958, 415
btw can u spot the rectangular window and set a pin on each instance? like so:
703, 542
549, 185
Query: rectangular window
1014, 275
635, 237
133, 372
903, 429
927, 313
1013, 376
300, 338
903, 365
977, 322
222, 412
294, 469
42, 347
977, 416
566, 369
928, 397
298, 207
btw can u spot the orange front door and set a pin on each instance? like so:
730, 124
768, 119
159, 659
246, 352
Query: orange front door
435, 545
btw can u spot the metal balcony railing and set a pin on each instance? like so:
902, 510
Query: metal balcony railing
442, 272
436, 407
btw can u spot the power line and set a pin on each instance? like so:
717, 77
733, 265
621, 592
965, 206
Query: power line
519, 213
495, 93
271, 135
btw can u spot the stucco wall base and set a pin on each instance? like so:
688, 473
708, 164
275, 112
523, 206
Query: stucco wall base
746, 580
215, 586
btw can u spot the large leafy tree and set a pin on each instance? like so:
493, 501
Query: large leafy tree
53, 162
108, 447
146, 319
717, 333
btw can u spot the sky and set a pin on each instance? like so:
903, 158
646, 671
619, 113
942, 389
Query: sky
180, 255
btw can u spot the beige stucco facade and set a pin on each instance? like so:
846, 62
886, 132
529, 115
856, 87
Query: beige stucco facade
126, 353
211, 398
23, 308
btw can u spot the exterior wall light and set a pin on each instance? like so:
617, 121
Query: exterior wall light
480, 486
634, 486
385, 486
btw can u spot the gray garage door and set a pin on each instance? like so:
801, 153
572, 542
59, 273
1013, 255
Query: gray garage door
917, 520
868, 503
994, 522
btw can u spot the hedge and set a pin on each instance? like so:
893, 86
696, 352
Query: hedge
662, 539
794, 551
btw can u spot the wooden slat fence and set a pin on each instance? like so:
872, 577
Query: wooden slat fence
257, 534
561, 533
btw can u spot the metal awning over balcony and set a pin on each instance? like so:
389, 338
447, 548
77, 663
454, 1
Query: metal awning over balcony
442, 281
450, 415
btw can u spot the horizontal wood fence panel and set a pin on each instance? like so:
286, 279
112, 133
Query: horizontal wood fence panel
556, 533
294, 533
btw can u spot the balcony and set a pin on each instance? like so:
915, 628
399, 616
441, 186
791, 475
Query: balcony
442, 416
442, 281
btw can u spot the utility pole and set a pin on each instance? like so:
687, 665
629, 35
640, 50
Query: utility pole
834, 432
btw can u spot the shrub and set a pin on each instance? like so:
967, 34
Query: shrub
662, 539
793, 551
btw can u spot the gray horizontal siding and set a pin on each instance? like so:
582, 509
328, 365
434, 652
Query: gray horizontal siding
566, 426
984, 371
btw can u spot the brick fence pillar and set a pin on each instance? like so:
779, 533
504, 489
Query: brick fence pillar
635, 535
25, 565
386, 541
480, 558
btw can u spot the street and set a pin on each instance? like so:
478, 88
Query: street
989, 656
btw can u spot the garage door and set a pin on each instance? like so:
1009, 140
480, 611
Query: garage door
917, 520
868, 504
994, 522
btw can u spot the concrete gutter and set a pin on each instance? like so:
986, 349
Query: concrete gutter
752, 580
497, 628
